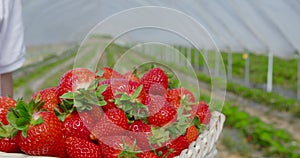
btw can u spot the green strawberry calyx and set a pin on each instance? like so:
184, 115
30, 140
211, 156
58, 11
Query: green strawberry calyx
7, 131
128, 151
159, 136
173, 81
131, 106
21, 116
201, 127
85, 99
180, 125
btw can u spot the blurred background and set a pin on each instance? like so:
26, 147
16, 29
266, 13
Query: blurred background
258, 42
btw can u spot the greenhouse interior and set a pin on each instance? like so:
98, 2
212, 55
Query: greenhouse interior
238, 57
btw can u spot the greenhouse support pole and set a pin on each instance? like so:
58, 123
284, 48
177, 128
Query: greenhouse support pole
270, 72
217, 64
298, 84
205, 61
183, 59
189, 54
229, 65
196, 60
179, 55
186, 56
247, 70
174, 57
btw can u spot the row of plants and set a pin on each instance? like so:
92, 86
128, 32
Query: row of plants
41, 68
86, 61
284, 70
272, 100
273, 142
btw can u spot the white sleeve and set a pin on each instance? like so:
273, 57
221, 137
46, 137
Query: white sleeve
12, 47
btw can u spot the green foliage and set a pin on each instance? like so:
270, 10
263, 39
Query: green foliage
272, 100
284, 70
41, 69
272, 141
21, 116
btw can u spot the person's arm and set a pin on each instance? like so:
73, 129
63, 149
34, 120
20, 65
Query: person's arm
6, 82
12, 47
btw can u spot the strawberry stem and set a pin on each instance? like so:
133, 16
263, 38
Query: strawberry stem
85, 99
21, 116
7, 131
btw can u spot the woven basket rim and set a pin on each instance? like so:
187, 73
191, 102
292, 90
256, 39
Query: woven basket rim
205, 145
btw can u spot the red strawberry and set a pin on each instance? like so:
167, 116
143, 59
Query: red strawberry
7, 141
117, 87
91, 117
118, 146
201, 110
155, 81
110, 73
118, 117
48, 96
165, 115
178, 96
155, 102
141, 131
147, 154
160, 111
81, 148
131, 76
87, 102
175, 147
73, 126
108, 96
74, 79
40, 132
192, 134
5, 104
126, 86
9, 145
113, 123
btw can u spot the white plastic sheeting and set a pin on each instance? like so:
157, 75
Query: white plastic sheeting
259, 26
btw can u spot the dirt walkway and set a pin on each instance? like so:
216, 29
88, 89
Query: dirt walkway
279, 120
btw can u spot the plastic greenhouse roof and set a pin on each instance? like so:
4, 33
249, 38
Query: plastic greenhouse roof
236, 25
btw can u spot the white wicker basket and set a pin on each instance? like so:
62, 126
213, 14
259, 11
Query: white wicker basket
204, 146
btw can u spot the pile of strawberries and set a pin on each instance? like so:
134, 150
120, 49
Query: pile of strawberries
104, 114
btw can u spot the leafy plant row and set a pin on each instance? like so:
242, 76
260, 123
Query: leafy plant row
272, 100
284, 70
41, 68
274, 142
265, 137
